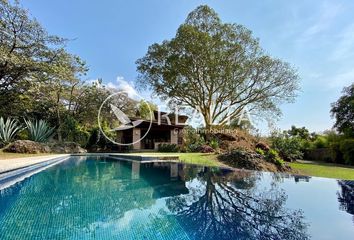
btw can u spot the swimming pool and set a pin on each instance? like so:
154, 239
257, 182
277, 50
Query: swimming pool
103, 198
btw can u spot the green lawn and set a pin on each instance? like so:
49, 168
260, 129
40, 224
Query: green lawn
324, 170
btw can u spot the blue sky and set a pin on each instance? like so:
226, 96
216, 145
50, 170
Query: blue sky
316, 37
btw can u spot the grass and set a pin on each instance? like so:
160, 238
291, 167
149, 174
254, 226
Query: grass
328, 170
207, 159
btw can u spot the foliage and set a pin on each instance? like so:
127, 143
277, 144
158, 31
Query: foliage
272, 156
242, 158
168, 147
321, 142
146, 109
8, 129
343, 111
39, 79
244, 124
214, 143
39, 130
347, 148
302, 133
30, 58
192, 139
97, 139
73, 131
218, 69
289, 148
260, 151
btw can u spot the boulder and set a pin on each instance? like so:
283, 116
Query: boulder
27, 146
205, 149
66, 147
263, 146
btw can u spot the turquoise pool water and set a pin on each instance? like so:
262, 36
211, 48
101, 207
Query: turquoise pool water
102, 198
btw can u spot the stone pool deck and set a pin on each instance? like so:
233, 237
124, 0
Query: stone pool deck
7, 165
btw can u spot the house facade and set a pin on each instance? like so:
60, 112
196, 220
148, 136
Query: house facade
164, 128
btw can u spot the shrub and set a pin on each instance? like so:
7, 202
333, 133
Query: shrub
8, 129
167, 147
97, 140
321, 142
214, 143
289, 148
39, 130
192, 140
272, 156
260, 151
73, 131
347, 148
336, 153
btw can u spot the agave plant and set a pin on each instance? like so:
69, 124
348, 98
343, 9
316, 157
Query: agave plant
8, 129
39, 130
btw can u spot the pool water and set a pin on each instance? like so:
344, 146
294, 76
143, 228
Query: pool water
103, 198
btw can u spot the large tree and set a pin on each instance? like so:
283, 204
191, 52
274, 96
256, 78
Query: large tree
343, 111
29, 59
218, 69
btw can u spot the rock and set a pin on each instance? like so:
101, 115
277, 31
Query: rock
66, 147
27, 146
263, 146
205, 149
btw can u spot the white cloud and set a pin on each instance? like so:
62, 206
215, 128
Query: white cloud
328, 12
123, 85
345, 46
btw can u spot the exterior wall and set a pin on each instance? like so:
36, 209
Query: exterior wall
174, 136
136, 137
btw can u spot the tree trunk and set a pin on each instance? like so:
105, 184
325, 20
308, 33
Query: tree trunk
60, 138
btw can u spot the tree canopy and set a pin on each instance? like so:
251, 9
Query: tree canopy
218, 69
40, 79
343, 111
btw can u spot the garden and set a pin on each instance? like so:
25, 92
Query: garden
46, 106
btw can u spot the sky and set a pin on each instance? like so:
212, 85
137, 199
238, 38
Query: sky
316, 37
